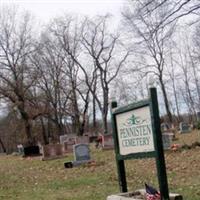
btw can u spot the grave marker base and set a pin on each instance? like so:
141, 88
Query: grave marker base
68, 165
78, 163
138, 195
72, 164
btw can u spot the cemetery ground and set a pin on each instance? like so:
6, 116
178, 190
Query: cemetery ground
33, 179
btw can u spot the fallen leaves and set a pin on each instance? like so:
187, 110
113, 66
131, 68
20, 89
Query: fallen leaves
24, 178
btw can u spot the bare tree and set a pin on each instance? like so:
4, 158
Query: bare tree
187, 91
17, 76
174, 77
52, 83
65, 33
152, 40
94, 39
195, 59
101, 46
176, 9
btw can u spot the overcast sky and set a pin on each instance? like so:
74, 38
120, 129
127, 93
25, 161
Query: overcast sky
46, 9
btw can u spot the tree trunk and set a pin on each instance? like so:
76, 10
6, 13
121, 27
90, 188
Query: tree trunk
166, 101
191, 101
105, 110
76, 124
172, 76
28, 131
49, 127
27, 123
105, 123
83, 122
45, 139
82, 127
94, 114
195, 73
75, 110
3, 146
59, 128
176, 101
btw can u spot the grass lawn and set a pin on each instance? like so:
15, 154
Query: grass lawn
33, 179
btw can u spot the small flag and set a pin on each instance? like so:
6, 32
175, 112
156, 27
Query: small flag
152, 193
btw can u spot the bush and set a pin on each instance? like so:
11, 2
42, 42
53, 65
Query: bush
198, 125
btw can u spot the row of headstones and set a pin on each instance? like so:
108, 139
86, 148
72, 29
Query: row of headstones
67, 144
108, 143
168, 135
81, 151
52, 151
183, 127
107, 140
49, 151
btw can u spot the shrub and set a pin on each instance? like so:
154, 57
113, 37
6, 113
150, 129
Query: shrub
198, 125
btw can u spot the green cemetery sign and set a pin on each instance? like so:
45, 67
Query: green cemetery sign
137, 134
134, 131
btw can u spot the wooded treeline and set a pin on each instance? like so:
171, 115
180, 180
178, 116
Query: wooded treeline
59, 78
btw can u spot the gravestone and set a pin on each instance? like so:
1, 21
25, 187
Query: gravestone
72, 139
184, 127
108, 142
198, 116
167, 140
81, 152
164, 127
81, 156
69, 146
32, 151
53, 151
68, 141
20, 149
63, 139
82, 140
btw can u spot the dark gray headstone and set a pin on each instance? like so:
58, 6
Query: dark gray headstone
198, 116
81, 152
164, 127
32, 151
81, 156
184, 127
167, 140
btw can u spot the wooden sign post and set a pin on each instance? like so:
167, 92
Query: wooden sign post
137, 134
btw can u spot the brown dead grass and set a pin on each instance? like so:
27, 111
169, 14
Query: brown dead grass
33, 179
